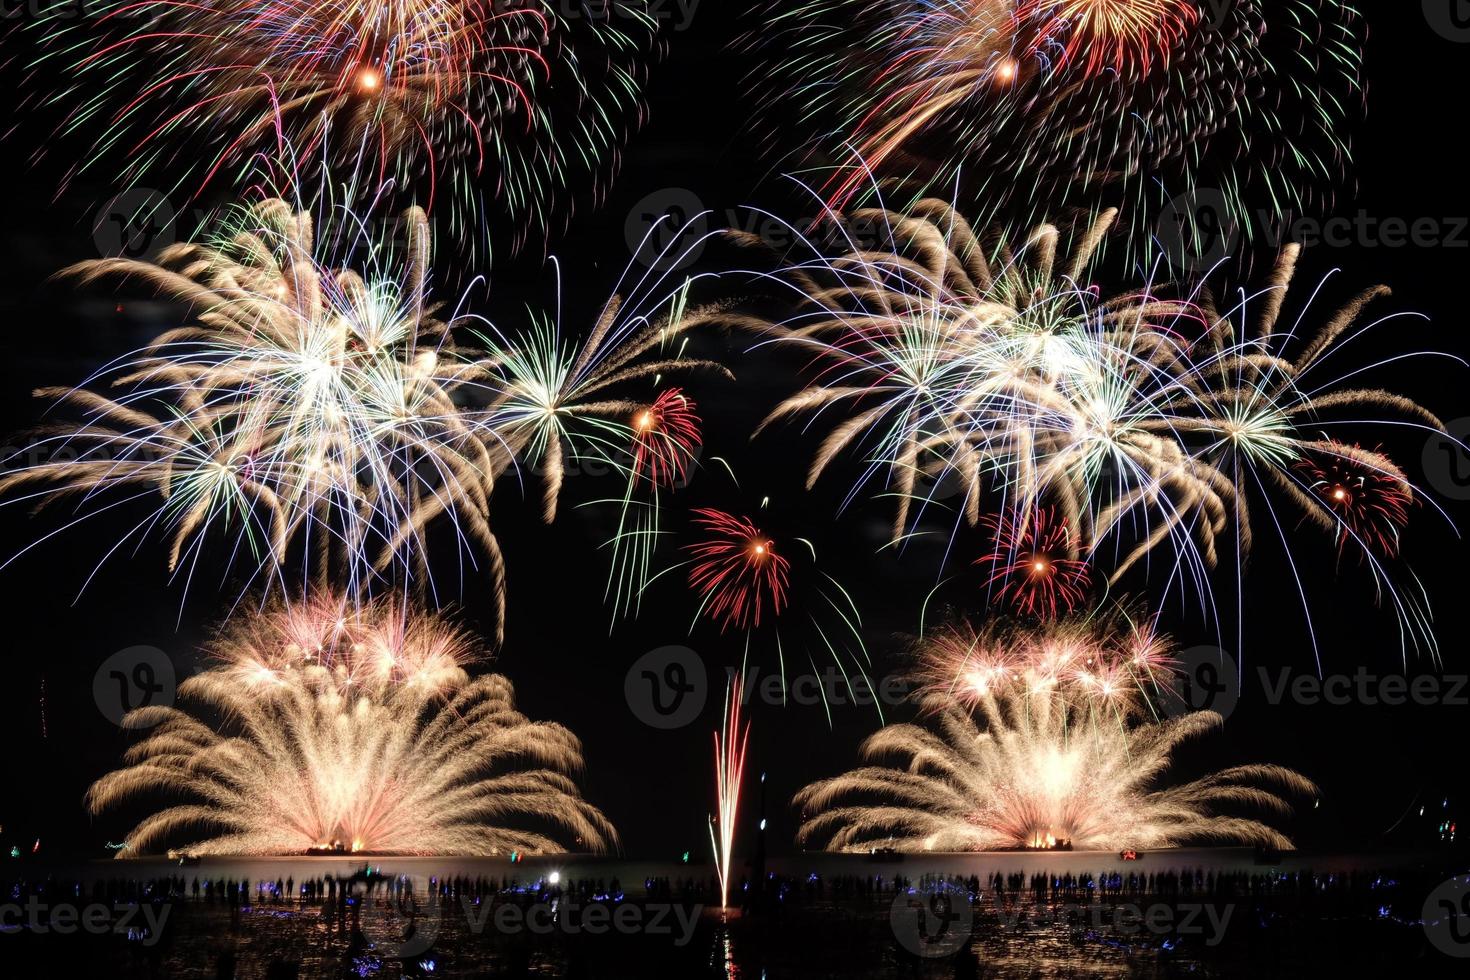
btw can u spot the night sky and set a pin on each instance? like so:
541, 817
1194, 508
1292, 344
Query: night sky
1374, 763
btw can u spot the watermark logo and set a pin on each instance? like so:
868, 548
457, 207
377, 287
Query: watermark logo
143, 924
1446, 917
931, 925
666, 229
399, 926
1446, 460
1206, 678
1450, 19
592, 919
1196, 230
666, 688
138, 677
138, 223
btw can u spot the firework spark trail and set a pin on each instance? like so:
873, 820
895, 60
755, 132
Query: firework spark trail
1040, 739
731, 742
1147, 422
1031, 107
331, 723
445, 99
300, 403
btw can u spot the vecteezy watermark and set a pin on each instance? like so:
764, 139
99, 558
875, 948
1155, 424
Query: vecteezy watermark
1364, 687
1450, 19
569, 918
667, 229
137, 677
831, 687
932, 924
1205, 920
1197, 229
138, 223
666, 688
142, 923
60, 10
1446, 917
1446, 460
1206, 679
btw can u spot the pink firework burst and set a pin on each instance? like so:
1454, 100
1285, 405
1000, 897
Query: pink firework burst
666, 437
1034, 564
736, 570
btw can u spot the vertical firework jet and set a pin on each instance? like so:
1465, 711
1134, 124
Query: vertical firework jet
730, 745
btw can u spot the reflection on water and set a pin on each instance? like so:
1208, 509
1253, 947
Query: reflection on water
1195, 913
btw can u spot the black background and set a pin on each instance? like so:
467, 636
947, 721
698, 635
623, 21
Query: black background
1374, 763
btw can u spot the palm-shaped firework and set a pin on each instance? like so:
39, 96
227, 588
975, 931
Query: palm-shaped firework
302, 403
958, 365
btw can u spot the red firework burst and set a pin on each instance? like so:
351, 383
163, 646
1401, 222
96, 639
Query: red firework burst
1367, 492
666, 437
736, 570
1033, 564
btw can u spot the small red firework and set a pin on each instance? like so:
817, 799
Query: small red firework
736, 570
1033, 564
666, 437
1367, 492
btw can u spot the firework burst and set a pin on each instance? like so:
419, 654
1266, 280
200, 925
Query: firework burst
442, 98
559, 400
1034, 564
1034, 106
961, 370
666, 439
736, 570
1037, 740
1365, 490
301, 403
354, 727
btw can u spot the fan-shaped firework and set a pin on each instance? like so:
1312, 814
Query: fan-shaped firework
1038, 740
355, 727
520, 99
971, 370
1032, 106
301, 403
